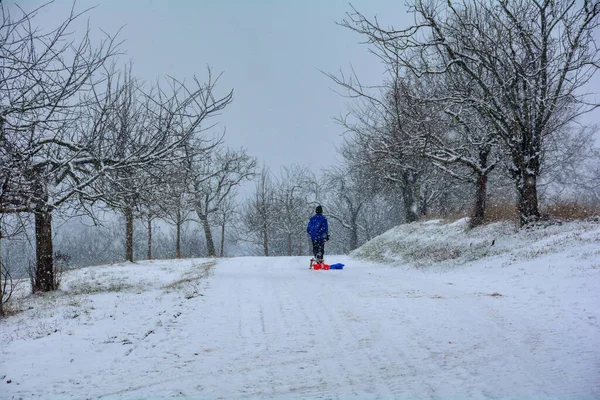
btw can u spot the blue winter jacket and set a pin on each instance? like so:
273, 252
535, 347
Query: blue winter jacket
317, 228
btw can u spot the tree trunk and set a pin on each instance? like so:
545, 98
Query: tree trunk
478, 213
423, 207
149, 238
289, 244
44, 270
526, 168
128, 234
178, 237
524, 172
527, 199
1, 277
408, 197
222, 252
210, 244
265, 238
354, 232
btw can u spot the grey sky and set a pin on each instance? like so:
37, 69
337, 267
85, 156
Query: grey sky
270, 53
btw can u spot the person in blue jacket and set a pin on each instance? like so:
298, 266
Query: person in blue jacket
318, 231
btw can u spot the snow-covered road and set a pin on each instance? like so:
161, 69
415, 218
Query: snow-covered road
272, 328
380, 333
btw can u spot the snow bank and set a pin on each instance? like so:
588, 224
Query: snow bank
439, 244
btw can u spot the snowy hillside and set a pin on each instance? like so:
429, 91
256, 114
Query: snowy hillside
518, 319
438, 244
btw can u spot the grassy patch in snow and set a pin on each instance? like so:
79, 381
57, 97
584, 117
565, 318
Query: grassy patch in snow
98, 287
73, 300
189, 283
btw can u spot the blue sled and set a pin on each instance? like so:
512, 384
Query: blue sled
336, 266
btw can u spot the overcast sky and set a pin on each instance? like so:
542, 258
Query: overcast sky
270, 53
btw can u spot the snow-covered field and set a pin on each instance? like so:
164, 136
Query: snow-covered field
519, 319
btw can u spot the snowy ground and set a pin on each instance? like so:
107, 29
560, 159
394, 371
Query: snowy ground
510, 324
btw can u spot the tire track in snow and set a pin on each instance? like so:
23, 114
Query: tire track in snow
295, 347
297, 333
352, 351
385, 358
285, 337
326, 344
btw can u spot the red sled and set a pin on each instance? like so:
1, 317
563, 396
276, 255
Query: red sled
322, 265
318, 265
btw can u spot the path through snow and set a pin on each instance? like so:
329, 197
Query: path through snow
272, 328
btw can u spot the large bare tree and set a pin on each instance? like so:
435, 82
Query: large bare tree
455, 139
44, 76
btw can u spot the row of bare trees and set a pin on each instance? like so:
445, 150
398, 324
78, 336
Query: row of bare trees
473, 86
77, 133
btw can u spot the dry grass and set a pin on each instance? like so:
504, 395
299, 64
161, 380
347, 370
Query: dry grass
499, 211
569, 211
494, 212
562, 210
200, 271
9, 310
507, 211
189, 284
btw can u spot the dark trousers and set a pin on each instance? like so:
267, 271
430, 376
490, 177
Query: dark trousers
319, 249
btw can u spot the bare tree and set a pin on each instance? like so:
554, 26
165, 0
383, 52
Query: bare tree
227, 213
211, 182
42, 75
175, 205
393, 132
530, 61
8, 229
290, 208
127, 123
380, 143
456, 140
571, 166
349, 191
172, 119
259, 216
7, 286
